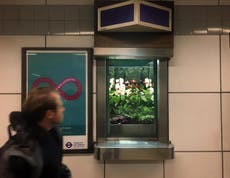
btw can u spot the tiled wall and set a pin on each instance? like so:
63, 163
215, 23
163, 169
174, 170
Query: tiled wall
10, 89
199, 102
71, 2
201, 20
46, 19
49, 19
199, 107
49, 2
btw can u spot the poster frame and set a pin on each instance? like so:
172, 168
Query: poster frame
88, 93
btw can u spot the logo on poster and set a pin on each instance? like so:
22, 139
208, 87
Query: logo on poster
60, 85
68, 144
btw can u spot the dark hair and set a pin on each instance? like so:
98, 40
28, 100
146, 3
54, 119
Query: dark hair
38, 102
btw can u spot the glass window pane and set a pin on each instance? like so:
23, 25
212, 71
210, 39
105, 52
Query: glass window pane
132, 97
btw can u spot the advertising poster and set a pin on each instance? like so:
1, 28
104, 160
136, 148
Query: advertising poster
68, 71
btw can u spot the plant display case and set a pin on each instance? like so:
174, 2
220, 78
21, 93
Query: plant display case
131, 86
132, 97
132, 107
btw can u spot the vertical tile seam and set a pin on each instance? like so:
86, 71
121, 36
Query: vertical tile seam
65, 21
229, 40
46, 3
45, 41
221, 114
34, 27
79, 21
104, 169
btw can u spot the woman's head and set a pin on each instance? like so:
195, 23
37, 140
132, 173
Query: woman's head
43, 105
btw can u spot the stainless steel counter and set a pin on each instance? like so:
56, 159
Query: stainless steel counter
133, 150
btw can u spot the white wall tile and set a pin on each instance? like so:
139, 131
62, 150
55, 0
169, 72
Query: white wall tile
225, 62
70, 41
85, 166
11, 59
134, 170
226, 120
196, 2
195, 66
226, 164
194, 165
194, 121
8, 103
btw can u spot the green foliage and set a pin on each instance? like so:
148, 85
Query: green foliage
132, 100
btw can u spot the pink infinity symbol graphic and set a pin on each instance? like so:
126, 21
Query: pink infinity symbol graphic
60, 85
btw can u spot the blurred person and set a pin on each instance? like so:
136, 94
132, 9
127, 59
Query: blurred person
43, 111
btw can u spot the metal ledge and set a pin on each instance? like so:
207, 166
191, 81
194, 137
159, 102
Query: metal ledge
133, 150
134, 52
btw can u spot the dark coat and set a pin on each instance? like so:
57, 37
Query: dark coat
50, 144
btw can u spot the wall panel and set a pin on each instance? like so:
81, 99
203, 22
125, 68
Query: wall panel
8, 103
195, 66
194, 165
10, 60
194, 121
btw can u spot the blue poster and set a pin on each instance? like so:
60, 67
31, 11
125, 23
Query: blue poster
67, 72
